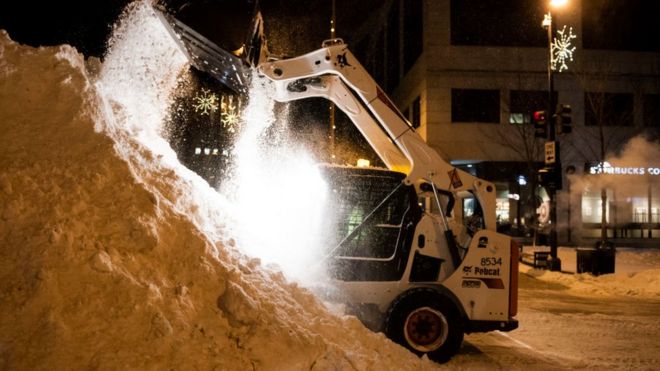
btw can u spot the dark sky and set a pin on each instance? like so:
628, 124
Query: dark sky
298, 26
607, 24
621, 25
86, 24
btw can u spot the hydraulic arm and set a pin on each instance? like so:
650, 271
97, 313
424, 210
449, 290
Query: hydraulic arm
334, 73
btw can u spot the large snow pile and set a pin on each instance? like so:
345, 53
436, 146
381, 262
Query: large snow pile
109, 257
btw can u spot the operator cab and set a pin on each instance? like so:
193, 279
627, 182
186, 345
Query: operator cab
373, 221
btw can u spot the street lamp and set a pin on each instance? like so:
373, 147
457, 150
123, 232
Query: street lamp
547, 24
333, 35
554, 263
558, 3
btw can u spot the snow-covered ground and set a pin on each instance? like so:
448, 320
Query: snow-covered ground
637, 273
578, 321
628, 260
565, 329
114, 256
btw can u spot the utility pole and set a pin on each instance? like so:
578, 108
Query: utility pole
554, 263
547, 122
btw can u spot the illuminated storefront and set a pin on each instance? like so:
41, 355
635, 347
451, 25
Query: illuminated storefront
632, 207
632, 201
515, 199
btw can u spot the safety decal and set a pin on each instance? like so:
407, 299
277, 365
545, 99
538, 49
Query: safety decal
471, 284
454, 178
483, 242
342, 60
381, 96
491, 283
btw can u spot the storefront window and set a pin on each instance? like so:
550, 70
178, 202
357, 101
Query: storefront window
629, 204
502, 210
591, 206
475, 105
640, 209
523, 103
502, 206
655, 203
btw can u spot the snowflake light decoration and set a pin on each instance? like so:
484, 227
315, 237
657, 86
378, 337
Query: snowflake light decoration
562, 50
229, 114
205, 103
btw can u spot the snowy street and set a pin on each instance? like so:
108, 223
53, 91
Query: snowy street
560, 329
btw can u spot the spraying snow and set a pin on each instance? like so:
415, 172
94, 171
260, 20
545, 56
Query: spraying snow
135, 85
275, 197
277, 191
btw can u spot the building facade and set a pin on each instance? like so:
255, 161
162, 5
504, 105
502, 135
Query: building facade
469, 75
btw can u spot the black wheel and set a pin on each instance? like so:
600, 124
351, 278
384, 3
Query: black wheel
425, 322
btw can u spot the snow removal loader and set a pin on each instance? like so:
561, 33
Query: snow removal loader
404, 255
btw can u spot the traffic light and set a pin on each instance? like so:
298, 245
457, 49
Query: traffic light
540, 124
550, 177
563, 118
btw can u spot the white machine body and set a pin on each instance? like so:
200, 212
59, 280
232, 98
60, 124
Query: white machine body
483, 283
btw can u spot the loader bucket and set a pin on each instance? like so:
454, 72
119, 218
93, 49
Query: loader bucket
219, 37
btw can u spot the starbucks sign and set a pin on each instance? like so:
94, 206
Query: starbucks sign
607, 168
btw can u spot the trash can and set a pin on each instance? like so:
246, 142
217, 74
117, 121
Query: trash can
605, 258
586, 260
598, 260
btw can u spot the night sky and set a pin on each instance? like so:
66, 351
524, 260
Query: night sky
298, 26
86, 24
83, 24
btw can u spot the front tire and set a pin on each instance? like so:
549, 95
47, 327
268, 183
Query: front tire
425, 322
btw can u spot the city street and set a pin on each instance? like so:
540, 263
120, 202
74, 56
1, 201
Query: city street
563, 330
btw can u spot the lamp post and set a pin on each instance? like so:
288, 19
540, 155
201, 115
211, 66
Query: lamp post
554, 263
333, 35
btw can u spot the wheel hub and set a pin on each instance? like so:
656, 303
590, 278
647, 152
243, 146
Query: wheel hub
425, 329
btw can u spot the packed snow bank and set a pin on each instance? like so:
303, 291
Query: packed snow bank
107, 261
635, 259
643, 284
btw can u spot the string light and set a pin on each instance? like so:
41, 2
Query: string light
205, 103
562, 50
229, 114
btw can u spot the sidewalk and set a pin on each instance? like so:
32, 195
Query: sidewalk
628, 259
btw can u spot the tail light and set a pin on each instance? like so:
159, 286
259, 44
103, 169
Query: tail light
513, 279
